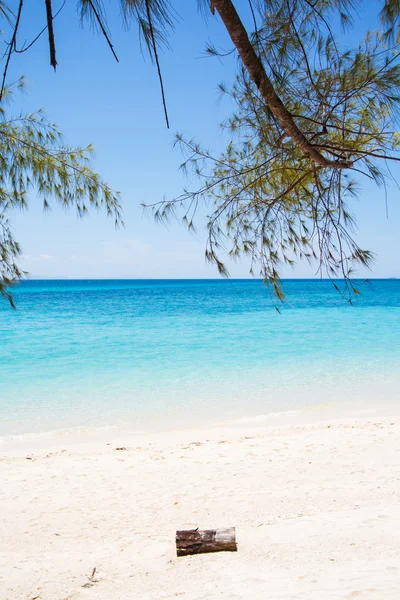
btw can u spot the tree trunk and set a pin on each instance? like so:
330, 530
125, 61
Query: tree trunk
255, 68
193, 541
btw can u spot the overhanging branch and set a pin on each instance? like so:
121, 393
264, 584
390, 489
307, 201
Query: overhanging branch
255, 68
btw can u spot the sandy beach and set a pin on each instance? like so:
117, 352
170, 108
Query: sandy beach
316, 510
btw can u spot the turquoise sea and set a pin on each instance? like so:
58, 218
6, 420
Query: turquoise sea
175, 353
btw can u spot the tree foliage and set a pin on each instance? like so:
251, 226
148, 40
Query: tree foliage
269, 199
34, 158
313, 119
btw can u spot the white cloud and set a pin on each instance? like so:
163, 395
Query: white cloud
38, 258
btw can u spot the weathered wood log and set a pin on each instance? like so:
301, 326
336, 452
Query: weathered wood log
194, 541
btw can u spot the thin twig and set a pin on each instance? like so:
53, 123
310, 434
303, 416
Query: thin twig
25, 48
10, 49
103, 29
153, 41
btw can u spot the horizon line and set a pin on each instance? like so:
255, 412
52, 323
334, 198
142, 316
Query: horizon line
315, 278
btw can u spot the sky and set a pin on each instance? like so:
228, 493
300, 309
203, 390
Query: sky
117, 107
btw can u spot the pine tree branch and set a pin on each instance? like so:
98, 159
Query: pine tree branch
52, 44
10, 49
103, 29
153, 41
255, 68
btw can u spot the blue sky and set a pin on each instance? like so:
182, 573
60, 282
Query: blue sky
117, 107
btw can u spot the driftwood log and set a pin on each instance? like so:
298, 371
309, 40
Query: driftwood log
194, 541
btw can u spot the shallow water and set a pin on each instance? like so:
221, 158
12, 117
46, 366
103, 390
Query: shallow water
155, 354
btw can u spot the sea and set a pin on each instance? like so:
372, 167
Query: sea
169, 354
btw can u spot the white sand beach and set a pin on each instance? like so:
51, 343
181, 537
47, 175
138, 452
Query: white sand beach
316, 510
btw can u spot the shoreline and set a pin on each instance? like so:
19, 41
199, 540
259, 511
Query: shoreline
292, 417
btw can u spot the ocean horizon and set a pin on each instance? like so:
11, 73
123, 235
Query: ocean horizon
152, 354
